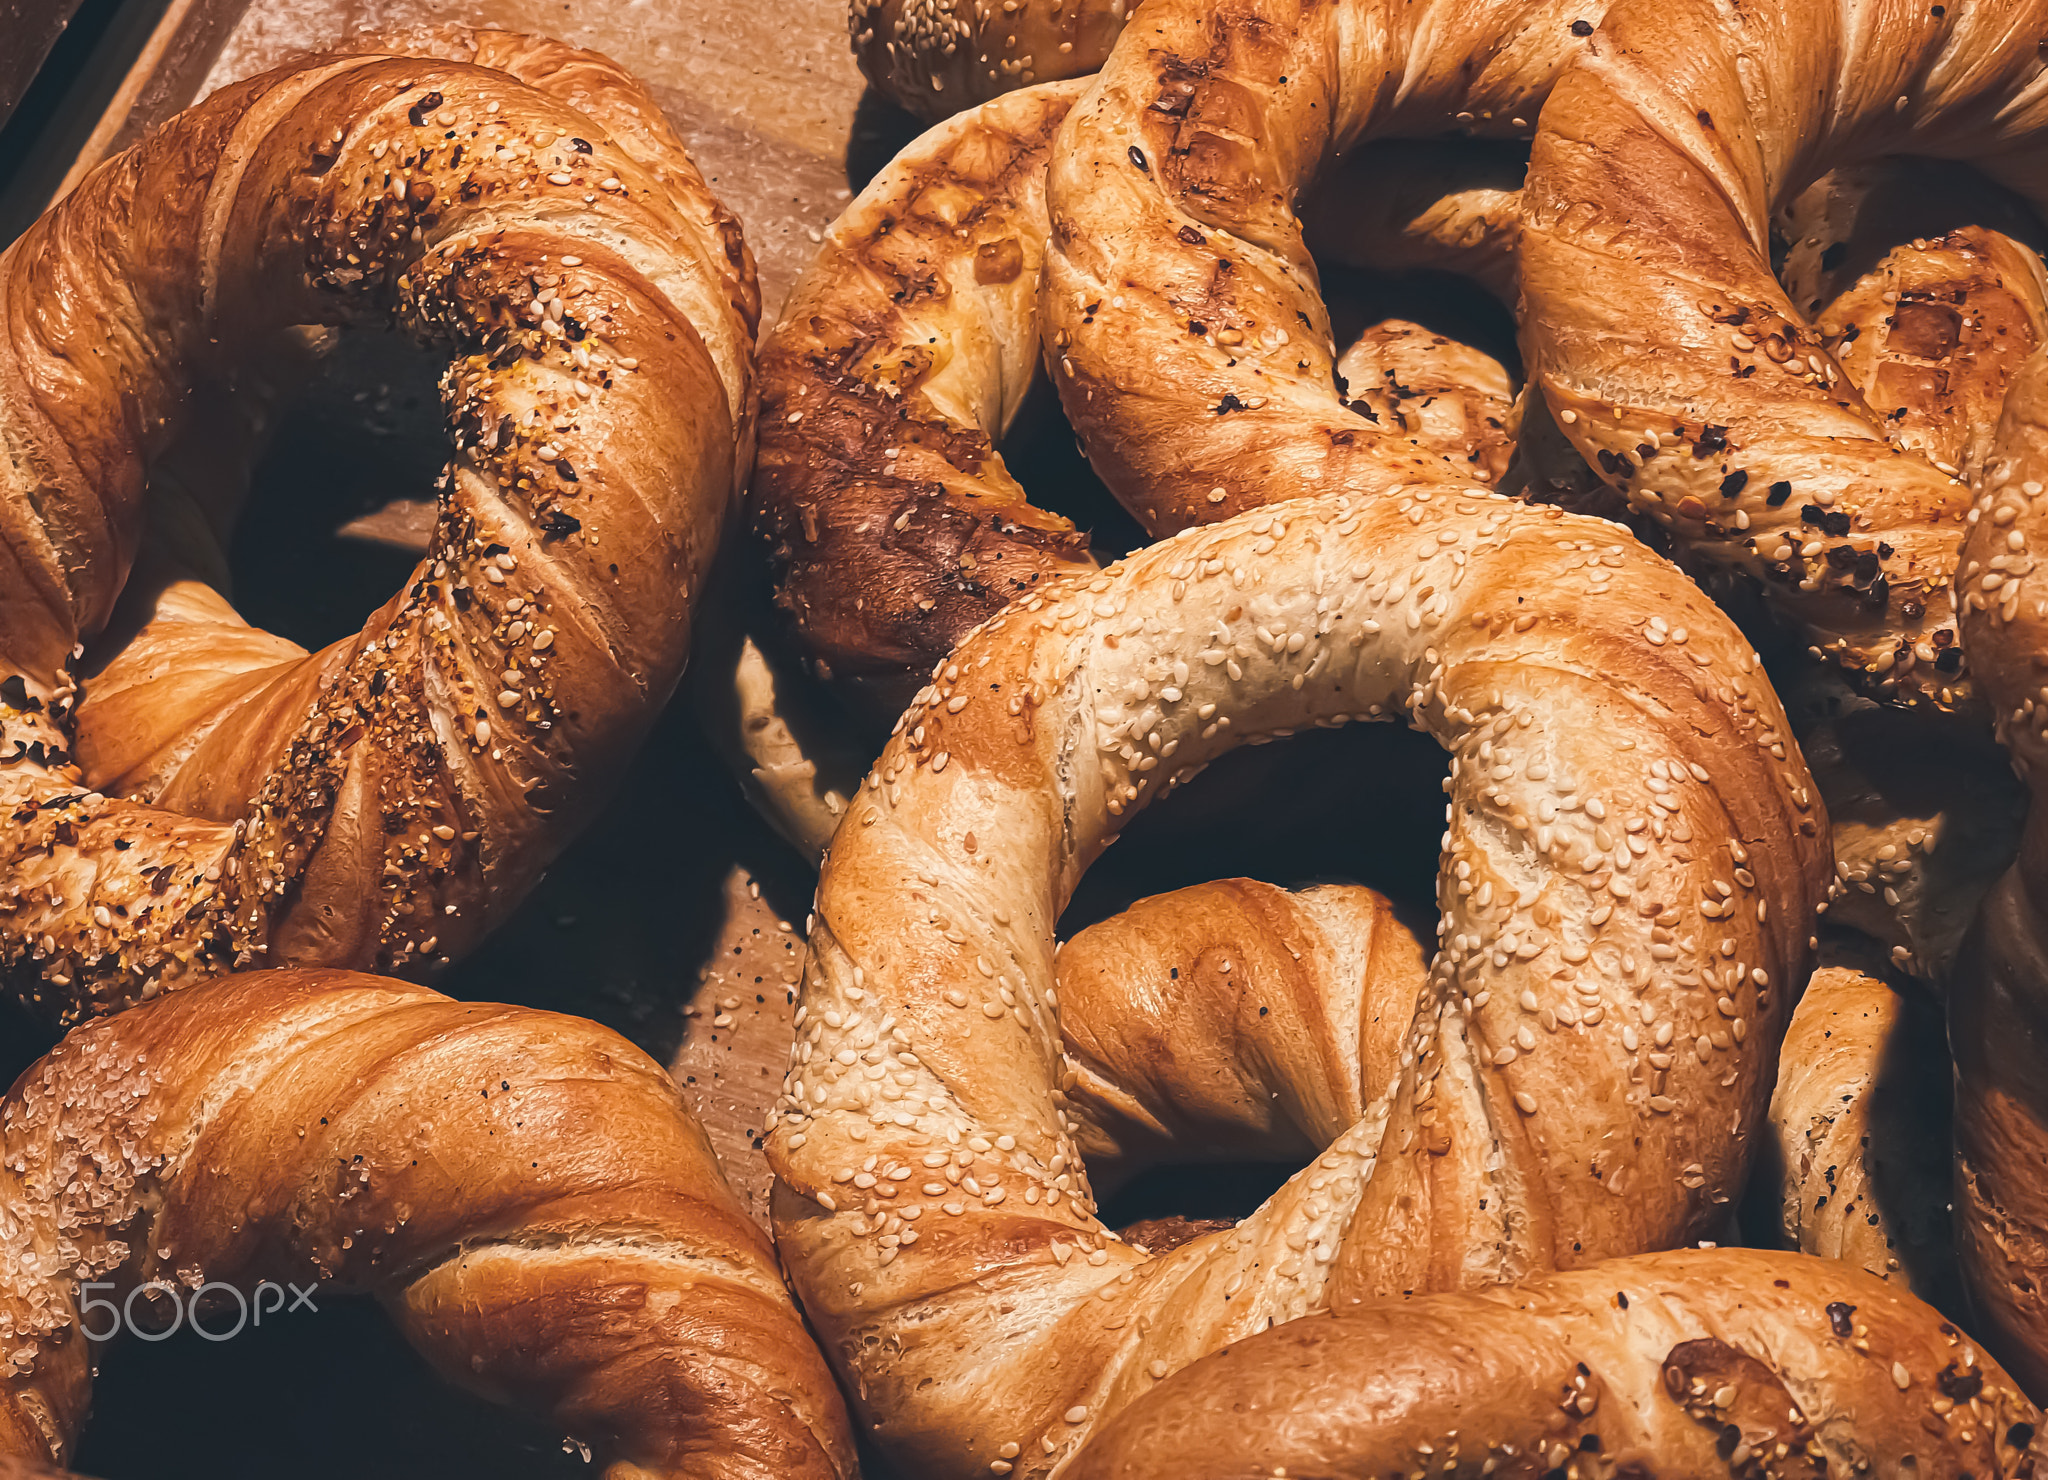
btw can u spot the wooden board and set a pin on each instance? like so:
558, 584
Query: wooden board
767, 97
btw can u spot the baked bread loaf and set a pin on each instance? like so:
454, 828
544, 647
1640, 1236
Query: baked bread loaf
1660, 158
1861, 1118
182, 794
1998, 996
1696, 1362
522, 1191
1632, 859
1191, 348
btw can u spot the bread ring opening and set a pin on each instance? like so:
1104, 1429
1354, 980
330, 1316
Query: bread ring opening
1632, 854
204, 795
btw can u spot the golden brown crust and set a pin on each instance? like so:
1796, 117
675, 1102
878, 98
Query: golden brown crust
940, 57
1175, 240
892, 525
523, 1191
1633, 856
1756, 1366
1653, 315
1924, 814
1395, 205
1233, 1019
1433, 392
1861, 1116
382, 802
1998, 1008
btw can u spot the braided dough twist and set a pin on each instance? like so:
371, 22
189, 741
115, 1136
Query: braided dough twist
892, 525
1673, 356
1189, 342
523, 1191
1634, 851
382, 802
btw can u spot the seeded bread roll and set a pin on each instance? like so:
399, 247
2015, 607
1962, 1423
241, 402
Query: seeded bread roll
1633, 854
1697, 1362
201, 795
891, 524
523, 1192
1652, 315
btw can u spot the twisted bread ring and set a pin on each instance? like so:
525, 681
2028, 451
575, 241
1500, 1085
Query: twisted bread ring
1191, 348
381, 802
892, 525
1696, 1362
521, 1190
1632, 857
1998, 1009
1677, 361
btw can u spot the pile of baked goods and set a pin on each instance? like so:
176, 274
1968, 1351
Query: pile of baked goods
1707, 1136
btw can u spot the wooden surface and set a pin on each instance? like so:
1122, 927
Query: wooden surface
767, 97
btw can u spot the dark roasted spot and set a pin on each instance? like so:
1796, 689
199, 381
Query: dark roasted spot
1734, 483
1838, 1318
1778, 493
1712, 439
1960, 1383
419, 110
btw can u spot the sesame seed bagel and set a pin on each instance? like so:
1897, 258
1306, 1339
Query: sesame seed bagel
940, 57
182, 793
1679, 363
522, 1191
1189, 341
1632, 858
1696, 1362
1998, 994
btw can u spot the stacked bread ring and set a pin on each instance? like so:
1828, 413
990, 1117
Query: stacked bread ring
1716, 601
